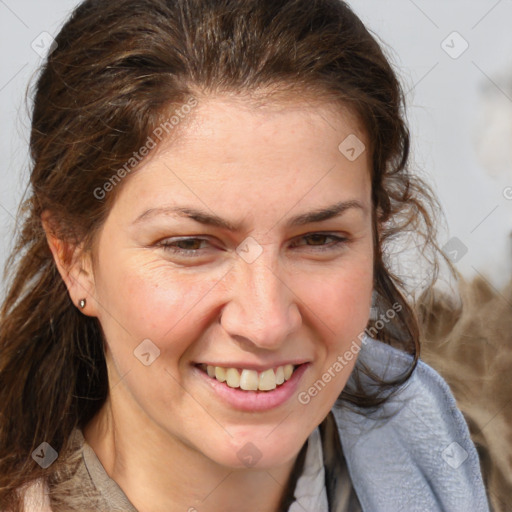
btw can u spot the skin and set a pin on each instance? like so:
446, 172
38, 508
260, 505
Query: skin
168, 441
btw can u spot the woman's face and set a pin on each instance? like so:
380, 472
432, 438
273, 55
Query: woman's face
242, 278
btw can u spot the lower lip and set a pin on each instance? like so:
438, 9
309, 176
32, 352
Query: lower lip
255, 400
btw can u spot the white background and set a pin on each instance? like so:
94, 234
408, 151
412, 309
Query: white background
460, 110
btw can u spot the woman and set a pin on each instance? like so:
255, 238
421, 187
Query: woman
188, 324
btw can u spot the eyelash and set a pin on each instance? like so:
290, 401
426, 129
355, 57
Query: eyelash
169, 246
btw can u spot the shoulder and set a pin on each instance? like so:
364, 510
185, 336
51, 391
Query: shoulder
415, 449
35, 497
36, 494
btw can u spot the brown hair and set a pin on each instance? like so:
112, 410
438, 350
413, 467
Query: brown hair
118, 69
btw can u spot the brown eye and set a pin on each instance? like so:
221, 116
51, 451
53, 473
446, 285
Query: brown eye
191, 246
318, 238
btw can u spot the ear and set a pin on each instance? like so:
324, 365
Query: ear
74, 266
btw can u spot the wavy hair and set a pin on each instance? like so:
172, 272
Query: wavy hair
119, 68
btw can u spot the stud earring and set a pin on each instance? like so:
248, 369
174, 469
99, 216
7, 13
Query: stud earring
82, 303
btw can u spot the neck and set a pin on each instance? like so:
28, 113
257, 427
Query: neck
160, 473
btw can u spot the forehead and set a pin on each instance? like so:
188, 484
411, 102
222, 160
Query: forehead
228, 130
231, 151
240, 118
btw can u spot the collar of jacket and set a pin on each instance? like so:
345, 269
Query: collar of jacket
413, 453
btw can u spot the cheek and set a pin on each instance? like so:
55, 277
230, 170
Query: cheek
339, 302
340, 307
146, 299
144, 296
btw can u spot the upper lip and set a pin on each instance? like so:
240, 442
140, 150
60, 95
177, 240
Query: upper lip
254, 366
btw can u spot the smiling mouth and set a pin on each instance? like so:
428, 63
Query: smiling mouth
250, 380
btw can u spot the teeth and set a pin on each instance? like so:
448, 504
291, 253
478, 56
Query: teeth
233, 378
251, 380
280, 375
220, 373
267, 380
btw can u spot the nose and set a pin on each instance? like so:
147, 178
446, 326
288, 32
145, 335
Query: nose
262, 311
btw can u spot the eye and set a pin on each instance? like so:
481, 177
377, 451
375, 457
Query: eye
317, 239
190, 247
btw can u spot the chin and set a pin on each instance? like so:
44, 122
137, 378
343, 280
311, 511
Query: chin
261, 449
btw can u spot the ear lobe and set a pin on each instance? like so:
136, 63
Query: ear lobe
74, 266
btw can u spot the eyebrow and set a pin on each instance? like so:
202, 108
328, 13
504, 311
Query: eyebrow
209, 219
